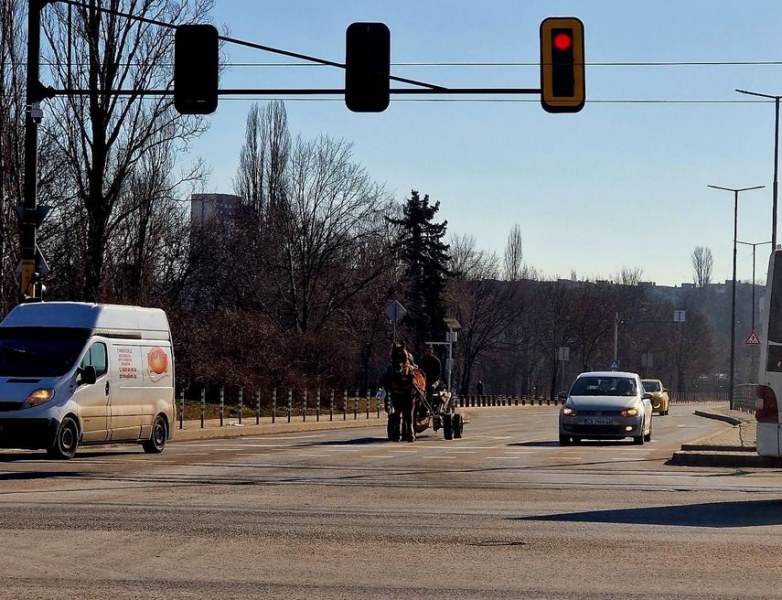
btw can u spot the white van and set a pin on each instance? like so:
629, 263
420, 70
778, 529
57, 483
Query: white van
74, 373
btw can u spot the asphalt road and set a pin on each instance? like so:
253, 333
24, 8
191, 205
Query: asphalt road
502, 513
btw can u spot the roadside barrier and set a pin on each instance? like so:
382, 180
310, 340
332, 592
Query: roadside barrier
231, 406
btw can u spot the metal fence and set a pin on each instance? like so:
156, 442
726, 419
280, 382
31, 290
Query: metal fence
238, 406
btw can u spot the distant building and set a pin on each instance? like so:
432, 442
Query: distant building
207, 208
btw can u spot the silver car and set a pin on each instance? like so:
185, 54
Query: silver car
606, 405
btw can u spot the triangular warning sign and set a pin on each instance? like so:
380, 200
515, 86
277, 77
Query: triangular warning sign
753, 339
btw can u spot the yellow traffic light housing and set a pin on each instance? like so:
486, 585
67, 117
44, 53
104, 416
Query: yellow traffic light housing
562, 73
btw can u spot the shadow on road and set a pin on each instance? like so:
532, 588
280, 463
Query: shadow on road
43, 456
354, 442
752, 513
25, 476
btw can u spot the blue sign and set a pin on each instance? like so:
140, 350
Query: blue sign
614, 364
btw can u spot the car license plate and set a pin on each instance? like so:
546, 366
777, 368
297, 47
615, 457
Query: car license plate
598, 421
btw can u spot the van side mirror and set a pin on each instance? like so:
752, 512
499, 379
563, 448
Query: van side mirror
562, 396
88, 375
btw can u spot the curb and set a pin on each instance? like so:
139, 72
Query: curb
717, 448
719, 417
192, 430
723, 459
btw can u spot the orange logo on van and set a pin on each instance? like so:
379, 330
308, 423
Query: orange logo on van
157, 360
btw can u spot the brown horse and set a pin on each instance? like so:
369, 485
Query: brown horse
407, 384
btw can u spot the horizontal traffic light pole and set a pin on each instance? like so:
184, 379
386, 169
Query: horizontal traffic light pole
307, 92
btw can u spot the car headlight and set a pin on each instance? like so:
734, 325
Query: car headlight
629, 412
568, 412
38, 397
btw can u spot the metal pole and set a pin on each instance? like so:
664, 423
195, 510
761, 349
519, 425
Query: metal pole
203, 406
30, 205
776, 169
616, 337
753, 286
733, 301
450, 357
776, 162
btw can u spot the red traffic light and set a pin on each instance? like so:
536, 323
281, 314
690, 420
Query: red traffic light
563, 41
562, 85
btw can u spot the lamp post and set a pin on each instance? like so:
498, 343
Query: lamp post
733, 301
756, 244
776, 162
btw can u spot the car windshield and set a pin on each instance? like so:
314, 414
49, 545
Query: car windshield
603, 386
40, 351
651, 386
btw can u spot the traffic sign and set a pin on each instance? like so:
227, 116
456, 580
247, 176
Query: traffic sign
615, 364
395, 311
753, 339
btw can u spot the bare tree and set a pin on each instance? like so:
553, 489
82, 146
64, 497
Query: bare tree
702, 265
629, 276
261, 178
484, 306
104, 135
51, 188
322, 242
11, 135
513, 255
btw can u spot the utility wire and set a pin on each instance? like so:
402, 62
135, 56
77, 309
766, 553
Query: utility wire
476, 64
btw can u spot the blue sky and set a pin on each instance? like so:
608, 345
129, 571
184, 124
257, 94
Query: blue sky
618, 185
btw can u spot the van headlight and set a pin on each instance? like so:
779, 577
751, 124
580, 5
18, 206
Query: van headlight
38, 397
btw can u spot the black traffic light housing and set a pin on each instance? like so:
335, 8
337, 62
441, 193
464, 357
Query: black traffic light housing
367, 67
196, 65
562, 73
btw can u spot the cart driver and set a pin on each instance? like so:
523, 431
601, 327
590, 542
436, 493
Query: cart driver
431, 367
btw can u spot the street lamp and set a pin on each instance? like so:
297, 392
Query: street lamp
733, 302
753, 356
753, 275
776, 162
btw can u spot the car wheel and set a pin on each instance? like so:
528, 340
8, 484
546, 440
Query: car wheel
157, 439
648, 436
639, 439
66, 440
564, 440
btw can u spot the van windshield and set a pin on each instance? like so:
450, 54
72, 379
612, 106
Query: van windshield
40, 351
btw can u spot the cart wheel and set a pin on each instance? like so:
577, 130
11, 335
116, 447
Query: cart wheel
448, 426
458, 425
392, 429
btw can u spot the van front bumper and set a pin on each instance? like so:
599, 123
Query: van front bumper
29, 434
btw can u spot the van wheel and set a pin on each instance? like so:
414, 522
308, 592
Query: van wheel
157, 441
66, 441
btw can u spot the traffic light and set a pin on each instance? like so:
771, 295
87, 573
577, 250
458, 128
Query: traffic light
562, 85
196, 62
367, 67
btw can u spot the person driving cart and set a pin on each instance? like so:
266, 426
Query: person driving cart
431, 367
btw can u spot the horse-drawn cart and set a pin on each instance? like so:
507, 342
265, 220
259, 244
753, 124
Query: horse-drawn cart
416, 406
437, 410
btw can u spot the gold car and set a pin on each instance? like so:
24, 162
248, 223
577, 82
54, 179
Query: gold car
660, 400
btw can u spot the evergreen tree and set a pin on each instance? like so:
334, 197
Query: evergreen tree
426, 258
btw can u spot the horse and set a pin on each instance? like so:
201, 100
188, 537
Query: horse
406, 385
